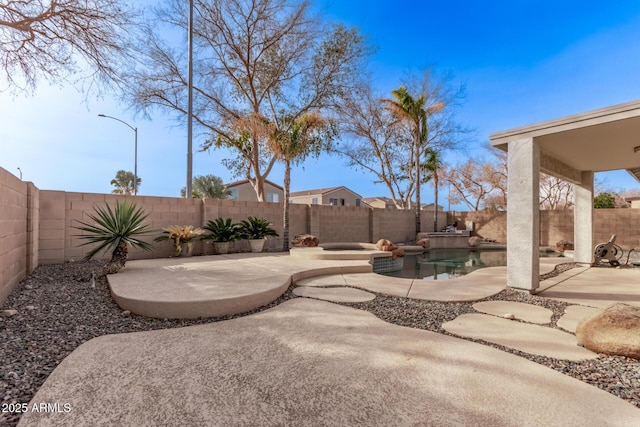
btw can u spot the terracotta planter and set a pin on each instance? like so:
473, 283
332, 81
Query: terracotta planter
257, 245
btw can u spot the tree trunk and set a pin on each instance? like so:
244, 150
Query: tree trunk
117, 262
285, 215
435, 213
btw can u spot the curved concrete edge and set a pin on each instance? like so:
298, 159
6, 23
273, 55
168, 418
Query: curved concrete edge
308, 362
540, 340
478, 284
335, 294
197, 308
325, 271
574, 314
522, 311
201, 304
355, 253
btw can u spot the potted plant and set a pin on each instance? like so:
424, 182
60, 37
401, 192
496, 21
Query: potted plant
256, 230
181, 236
221, 231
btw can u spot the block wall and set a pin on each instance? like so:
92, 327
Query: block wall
16, 250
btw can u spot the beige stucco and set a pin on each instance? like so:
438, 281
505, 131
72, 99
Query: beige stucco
243, 191
571, 148
342, 196
379, 202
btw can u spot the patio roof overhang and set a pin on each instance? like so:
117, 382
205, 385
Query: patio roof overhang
600, 140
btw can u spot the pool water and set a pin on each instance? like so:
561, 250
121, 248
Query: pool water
442, 264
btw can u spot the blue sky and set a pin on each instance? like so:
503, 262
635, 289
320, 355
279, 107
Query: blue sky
521, 61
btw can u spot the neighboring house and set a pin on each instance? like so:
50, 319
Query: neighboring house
380, 202
338, 196
634, 201
429, 207
243, 190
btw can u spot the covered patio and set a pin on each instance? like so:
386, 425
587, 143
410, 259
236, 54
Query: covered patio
572, 148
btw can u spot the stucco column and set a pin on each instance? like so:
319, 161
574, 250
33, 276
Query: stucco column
583, 219
523, 215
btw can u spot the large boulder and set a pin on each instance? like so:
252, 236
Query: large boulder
389, 246
424, 243
474, 241
305, 240
422, 235
564, 245
385, 245
614, 330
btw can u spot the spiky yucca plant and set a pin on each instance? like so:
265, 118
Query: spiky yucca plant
180, 235
115, 230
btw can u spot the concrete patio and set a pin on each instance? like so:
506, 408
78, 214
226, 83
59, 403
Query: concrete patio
312, 362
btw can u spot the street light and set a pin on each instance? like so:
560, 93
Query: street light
135, 171
20, 174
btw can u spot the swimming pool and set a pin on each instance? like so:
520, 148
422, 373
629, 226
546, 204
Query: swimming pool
442, 264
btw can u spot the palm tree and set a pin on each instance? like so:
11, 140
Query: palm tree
432, 165
115, 230
415, 112
207, 187
297, 138
124, 183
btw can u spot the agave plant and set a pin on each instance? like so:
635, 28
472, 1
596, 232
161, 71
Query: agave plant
115, 230
181, 235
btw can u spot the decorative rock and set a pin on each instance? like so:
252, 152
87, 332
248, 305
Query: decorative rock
386, 245
305, 240
8, 313
423, 242
421, 236
564, 245
615, 331
29, 308
509, 316
397, 253
126, 313
474, 241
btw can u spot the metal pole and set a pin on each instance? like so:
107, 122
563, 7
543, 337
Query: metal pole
20, 174
190, 104
135, 165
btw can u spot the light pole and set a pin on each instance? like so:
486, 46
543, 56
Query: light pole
190, 103
20, 174
135, 170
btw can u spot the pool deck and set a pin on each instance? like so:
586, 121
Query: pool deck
311, 362
220, 285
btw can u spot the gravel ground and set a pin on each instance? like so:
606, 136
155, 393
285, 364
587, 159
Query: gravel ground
58, 309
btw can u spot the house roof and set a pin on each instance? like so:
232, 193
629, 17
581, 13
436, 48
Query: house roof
381, 198
320, 192
599, 140
246, 181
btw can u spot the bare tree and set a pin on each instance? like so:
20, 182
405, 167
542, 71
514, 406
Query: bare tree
263, 58
472, 183
378, 146
482, 185
61, 38
555, 193
390, 148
